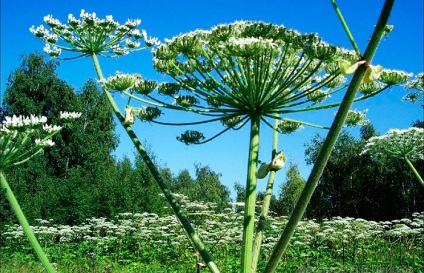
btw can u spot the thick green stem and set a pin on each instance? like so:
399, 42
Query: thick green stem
250, 199
414, 171
182, 217
329, 142
266, 203
25, 225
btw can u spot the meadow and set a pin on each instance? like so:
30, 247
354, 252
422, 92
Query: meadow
146, 242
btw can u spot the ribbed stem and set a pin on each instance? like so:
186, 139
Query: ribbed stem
250, 199
329, 142
25, 225
192, 234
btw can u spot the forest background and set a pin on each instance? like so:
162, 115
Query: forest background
84, 183
79, 178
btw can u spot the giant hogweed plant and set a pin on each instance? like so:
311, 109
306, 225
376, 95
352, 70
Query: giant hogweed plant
239, 74
405, 144
91, 37
22, 138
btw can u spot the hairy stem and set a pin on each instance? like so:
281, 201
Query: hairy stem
250, 199
329, 142
417, 175
25, 225
182, 217
266, 202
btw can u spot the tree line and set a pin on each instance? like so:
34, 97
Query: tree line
78, 178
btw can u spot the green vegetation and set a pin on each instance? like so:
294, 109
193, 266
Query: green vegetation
79, 238
237, 74
145, 242
352, 182
78, 178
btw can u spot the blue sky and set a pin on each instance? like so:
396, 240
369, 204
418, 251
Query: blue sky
402, 49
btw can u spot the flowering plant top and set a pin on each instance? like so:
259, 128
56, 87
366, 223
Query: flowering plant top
417, 83
408, 143
22, 137
91, 35
236, 71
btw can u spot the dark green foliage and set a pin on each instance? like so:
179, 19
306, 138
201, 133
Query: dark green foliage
354, 185
78, 178
206, 187
289, 191
58, 183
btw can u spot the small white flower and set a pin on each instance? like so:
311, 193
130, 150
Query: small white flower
132, 23
40, 31
132, 44
52, 50
51, 128
46, 143
69, 115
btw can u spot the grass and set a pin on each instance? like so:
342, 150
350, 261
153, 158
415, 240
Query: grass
145, 242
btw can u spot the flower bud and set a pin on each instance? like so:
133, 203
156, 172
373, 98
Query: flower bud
263, 171
372, 73
347, 68
129, 116
278, 162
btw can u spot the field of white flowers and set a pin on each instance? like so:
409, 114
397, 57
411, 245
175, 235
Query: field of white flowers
139, 239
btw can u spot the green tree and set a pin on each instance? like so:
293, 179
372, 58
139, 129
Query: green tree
290, 191
57, 184
206, 187
211, 189
352, 184
150, 197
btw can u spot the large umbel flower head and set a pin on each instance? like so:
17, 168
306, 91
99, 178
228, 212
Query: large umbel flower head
405, 144
417, 84
408, 143
246, 70
91, 35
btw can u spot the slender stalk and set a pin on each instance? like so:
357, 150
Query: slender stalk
265, 206
182, 217
346, 28
329, 142
250, 199
25, 225
417, 175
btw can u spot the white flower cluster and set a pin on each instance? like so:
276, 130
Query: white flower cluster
120, 81
46, 142
91, 35
52, 50
392, 77
51, 128
355, 118
223, 229
69, 115
17, 134
23, 121
249, 46
416, 83
408, 143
